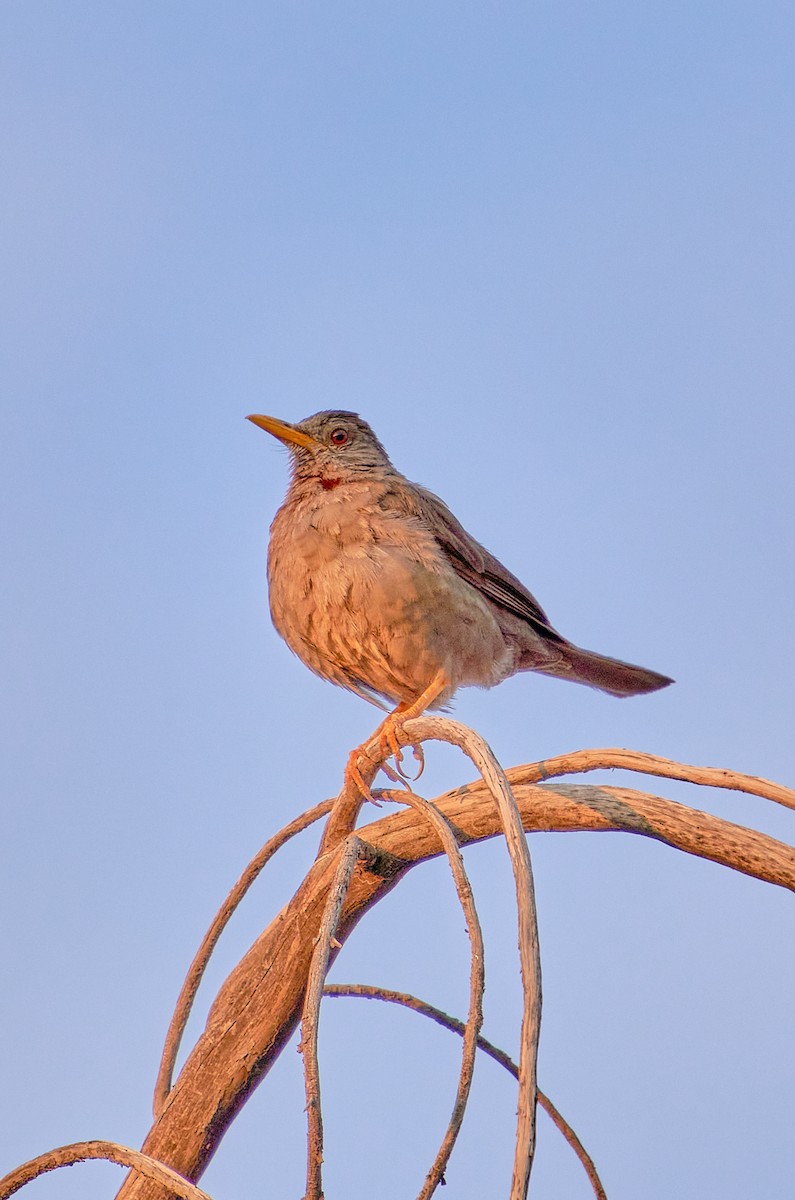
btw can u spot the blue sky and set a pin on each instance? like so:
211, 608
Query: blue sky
547, 251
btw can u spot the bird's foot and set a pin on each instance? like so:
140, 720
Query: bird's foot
399, 775
390, 734
396, 774
353, 778
390, 746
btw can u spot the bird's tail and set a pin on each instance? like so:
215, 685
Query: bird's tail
607, 674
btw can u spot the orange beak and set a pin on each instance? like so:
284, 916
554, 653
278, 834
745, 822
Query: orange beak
285, 432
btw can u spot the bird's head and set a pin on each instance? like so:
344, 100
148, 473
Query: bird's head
334, 447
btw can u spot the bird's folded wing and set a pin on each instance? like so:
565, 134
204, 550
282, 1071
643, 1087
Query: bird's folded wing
473, 563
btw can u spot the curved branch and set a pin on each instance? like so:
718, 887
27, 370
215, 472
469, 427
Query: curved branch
366, 992
581, 761
310, 1023
67, 1156
210, 940
473, 745
477, 983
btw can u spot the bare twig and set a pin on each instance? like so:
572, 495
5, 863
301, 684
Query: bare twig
650, 764
470, 1031
67, 1156
366, 992
210, 940
442, 729
311, 1016
560, 1122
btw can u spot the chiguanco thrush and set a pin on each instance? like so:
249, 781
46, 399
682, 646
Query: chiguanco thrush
377, 587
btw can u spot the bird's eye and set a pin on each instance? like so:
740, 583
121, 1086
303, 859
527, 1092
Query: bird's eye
339, 437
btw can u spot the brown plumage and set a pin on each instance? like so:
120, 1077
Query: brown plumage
377, 587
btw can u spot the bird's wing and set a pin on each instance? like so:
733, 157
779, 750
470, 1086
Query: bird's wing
480, 569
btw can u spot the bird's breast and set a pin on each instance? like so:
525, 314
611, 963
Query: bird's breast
338, 560
367, 598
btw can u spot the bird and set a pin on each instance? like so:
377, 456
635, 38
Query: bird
377, 587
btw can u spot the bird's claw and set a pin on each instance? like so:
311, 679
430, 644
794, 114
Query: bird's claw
399, 775
396, 776
389, 746
419, 755
388, 743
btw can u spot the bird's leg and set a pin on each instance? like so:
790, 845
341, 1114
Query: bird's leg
388, 746
388, 735
392, 726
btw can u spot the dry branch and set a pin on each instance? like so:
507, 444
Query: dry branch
581, 761
494, 780
210, 940
310, 1022
477, 983
366, 992
123, 1156
259, 1005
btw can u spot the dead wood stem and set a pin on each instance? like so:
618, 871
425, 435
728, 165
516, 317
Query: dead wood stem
76, 1152
310, 1021
581, 761
477, 982
259, 1005
367, 992
210, 940
473, 745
